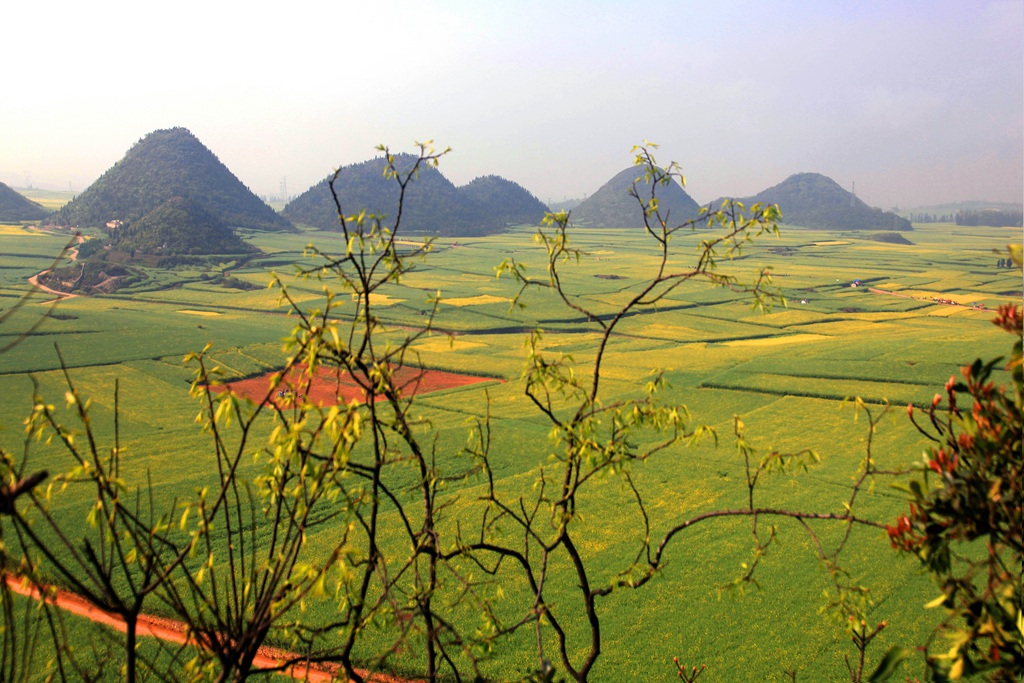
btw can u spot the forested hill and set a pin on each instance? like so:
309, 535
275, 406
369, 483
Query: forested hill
506, 202
165, 164
16, 207
812, 200
178, 226
613, 207
433, 204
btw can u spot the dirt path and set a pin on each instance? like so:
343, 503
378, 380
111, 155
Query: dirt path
176, 632
890, 293
60, 296
934, 300
34, 280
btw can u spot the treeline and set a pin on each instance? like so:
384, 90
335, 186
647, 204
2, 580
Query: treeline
991, 217
930, 218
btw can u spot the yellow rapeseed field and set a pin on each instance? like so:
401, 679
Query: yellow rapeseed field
8, 230
209, 314
383, 300
474, 300
441, 344
778, 341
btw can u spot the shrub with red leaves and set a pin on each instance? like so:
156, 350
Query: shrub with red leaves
965, 523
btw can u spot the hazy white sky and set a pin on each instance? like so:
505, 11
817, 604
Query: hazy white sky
918, 102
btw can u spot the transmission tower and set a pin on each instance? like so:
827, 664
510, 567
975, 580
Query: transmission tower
284, 189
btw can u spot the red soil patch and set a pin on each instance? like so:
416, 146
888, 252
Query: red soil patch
176, 632
332, 386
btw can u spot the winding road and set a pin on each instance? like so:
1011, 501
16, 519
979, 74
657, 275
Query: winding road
34, 280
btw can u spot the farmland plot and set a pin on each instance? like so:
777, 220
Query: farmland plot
787, 373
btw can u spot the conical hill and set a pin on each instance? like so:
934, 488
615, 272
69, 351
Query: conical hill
163, 165
506, 202
17, 207
432, 203
613, 207
812, 200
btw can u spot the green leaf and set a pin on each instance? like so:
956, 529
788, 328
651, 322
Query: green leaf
890, 662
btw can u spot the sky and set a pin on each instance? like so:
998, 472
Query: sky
917, 102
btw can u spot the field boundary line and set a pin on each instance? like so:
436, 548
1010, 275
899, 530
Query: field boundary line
923, 405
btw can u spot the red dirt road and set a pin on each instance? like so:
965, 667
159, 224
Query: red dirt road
329, 387
176, 632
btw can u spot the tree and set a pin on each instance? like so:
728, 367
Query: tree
594, 439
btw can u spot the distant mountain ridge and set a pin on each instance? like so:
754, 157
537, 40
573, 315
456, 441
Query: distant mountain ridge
433, 203
813, 200
166, 164
611, 206
17, 207
564, 205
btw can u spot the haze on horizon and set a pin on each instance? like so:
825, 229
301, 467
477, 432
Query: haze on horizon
919, 103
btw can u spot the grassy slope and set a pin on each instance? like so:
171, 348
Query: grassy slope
720, 358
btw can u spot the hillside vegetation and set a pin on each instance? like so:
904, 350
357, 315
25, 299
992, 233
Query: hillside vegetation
506, 202
15, 207
163, 165
613, 207
434, 204
179, 226
812, 200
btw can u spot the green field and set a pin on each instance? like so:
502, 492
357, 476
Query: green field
786, 372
